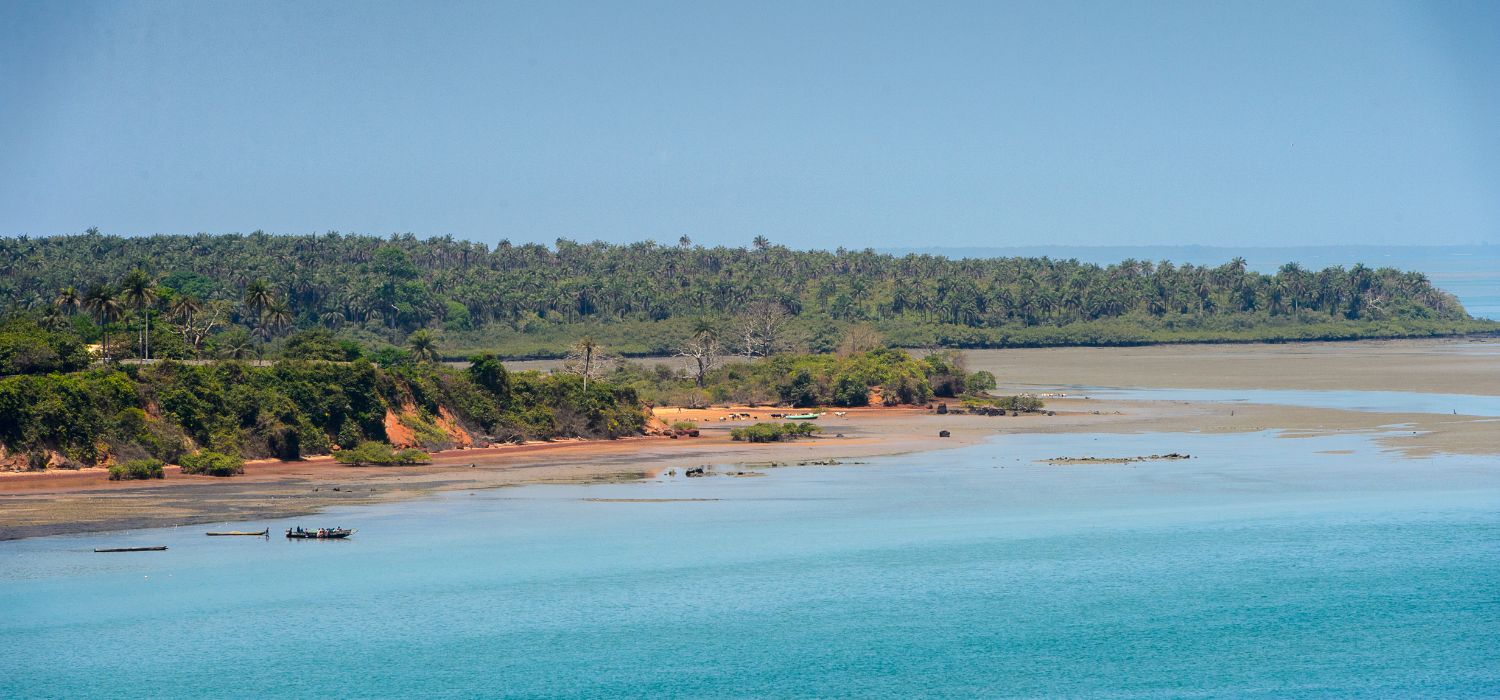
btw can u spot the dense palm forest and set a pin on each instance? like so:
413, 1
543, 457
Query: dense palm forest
242, 295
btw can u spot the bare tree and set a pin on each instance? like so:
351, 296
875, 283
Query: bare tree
703, 350
588, 360
199, 320
762, 329
860, 338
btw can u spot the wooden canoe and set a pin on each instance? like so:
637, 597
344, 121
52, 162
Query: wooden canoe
131, 549
263, 533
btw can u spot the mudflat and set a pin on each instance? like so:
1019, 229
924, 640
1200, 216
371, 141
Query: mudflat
1445, 366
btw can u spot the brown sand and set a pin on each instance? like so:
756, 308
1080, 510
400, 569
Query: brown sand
57, 502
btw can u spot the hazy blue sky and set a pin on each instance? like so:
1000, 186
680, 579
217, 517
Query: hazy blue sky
815, 124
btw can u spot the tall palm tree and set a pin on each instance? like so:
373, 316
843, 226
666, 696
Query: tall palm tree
258, 297
67, 300
53, 319
584, 359
184, 306
423, 346
236, 346
139, 291
105, 305
275, 318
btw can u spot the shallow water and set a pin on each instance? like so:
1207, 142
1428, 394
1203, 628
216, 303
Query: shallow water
1263, 567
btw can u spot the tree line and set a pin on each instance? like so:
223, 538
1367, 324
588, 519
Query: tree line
236, 295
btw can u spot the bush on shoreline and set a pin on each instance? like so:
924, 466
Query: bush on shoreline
137, 469
210, 463
773, 432
380, 454
1022, 403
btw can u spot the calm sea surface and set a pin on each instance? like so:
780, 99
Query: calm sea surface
1264, 567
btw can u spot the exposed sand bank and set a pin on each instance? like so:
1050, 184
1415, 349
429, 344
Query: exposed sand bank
58, 502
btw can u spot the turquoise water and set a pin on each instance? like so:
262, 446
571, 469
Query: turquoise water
1264, 567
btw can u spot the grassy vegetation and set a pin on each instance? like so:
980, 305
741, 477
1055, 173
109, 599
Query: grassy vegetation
773, 432
1021, 404
210, 463
381, 455
804, 380
136, 469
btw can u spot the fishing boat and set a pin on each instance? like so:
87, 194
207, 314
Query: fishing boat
130, 549
322, 533
804, 416
236, 533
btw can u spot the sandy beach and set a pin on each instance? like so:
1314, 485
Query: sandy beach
33, 504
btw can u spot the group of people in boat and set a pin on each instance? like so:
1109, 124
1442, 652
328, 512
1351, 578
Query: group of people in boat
299, 531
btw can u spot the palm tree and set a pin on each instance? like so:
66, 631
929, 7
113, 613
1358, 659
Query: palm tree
184, 306
105, 305
704, 327
139, 291
703, 349
67, 300
235, 346
423, 346
53, 319
258, 296
585, 359
276, 317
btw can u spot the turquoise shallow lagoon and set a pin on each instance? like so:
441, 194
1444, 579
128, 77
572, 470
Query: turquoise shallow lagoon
1263, 567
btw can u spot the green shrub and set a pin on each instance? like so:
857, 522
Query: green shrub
1009, 403
980, 382
684, 425
799, 389
412, 455
849, 390
381, 454
136, 469
210, 463
773, 432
